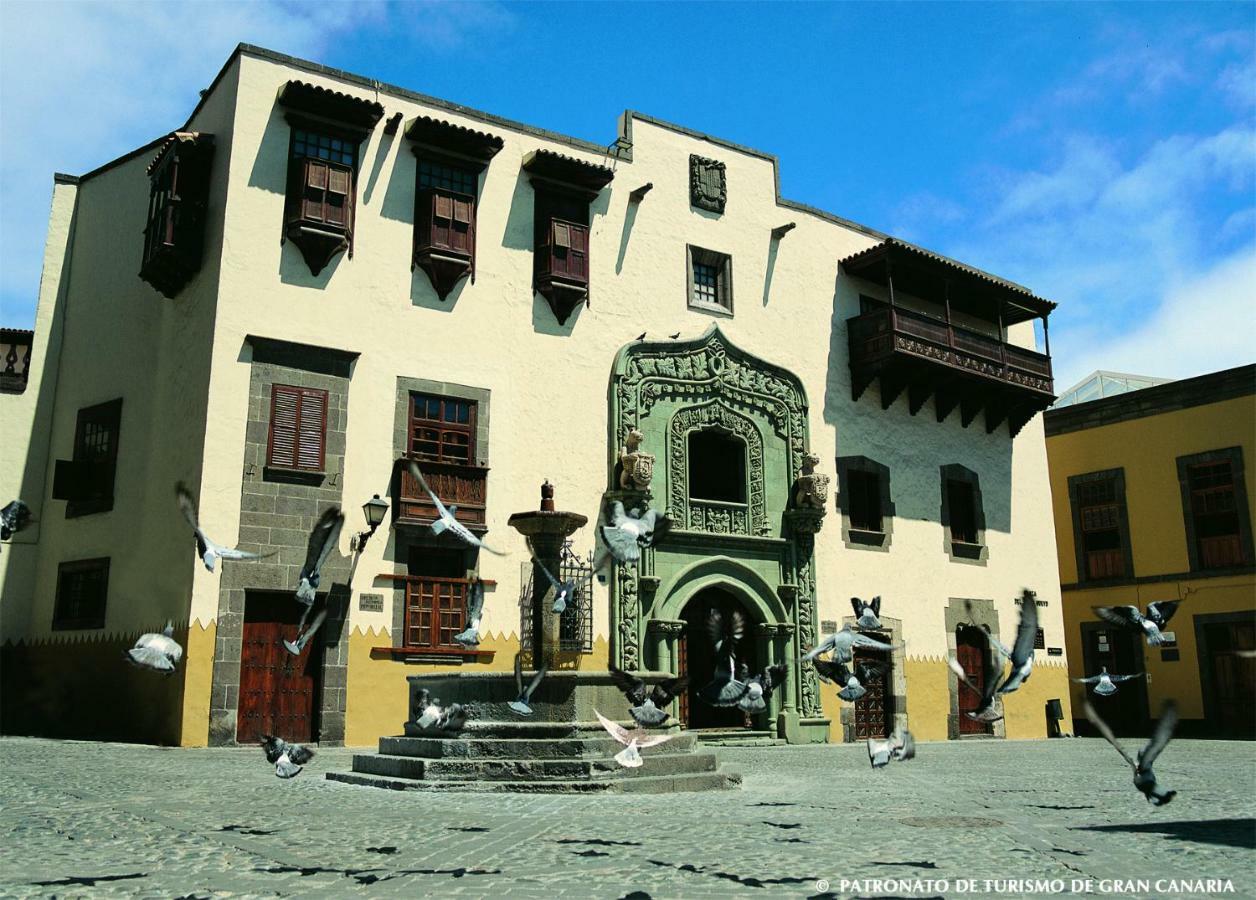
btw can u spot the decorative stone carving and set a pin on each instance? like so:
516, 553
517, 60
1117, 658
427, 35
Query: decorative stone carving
715, 517
670, 627
708, 187
637, 465
805, 613
774, 629
629, 618
811, 491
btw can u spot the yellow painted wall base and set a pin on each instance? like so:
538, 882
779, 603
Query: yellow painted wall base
928, 698
198, 672
1024, 712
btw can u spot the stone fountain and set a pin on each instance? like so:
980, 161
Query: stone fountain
562, 746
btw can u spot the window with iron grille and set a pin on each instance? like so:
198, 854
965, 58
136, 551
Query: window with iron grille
96, 458
575, 627
82, 590
442, 429
710, 280
298, 428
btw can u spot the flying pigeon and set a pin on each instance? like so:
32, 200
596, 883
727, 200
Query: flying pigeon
1152, 625
852, 682
525, 694
674, 336
1105, 684
759, 687
15, 516
288, 758
158, 652
470, 636
724, 689
632, 741
842, 644
445, 520
563, 591
867, 614
1144, 778
431, 716
648, 710
726, 635
904, 749
323, 539
628, 532
1022, 655
899, 748
987, 711
208, 551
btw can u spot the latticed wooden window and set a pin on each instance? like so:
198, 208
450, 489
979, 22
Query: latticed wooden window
1214, 508
1099, 509
864, 501
82, 589
435, 611
442, 429
298, 428
96, 453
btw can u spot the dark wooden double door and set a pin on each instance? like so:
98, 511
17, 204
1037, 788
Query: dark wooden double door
1121, 651
279, 692
874, 711
972, 652
1230, 680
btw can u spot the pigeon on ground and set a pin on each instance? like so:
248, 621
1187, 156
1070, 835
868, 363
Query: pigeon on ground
648, 710
158, 652
852, 682
208, 551
633, 741
1144, 778
288, 758
988, 710
898, 748
904, 748
521, 706
867, 614
1022, 655
842, 644
1151, 625
1105, 684
430, 715
470, 636
758, 688
15, 516
628, 532
564, 591
445, 520
323, 539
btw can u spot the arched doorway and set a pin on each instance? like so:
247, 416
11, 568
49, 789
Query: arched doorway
972, 651
696, 659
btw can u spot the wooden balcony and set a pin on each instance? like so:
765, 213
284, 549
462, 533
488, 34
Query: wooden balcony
927, 357
455, 484
1105, 564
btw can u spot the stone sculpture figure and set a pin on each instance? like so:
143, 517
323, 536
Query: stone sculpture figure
637, 466
811, 490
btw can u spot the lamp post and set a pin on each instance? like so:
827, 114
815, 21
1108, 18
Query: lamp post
374, 510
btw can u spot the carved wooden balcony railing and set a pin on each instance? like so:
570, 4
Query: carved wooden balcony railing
454, 483
1221, 552
927, 357
1105, 564
15, 359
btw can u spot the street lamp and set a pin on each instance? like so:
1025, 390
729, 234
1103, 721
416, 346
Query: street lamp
374, 510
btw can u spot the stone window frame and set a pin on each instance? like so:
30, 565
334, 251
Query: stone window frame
723, 263
1234, 455
404, 539
857, 539
1127, 549
971, 554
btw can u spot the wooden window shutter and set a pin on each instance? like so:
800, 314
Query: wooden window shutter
298, 428
339, 196
460, 236
562, 235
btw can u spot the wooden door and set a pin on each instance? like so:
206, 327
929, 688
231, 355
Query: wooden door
874, 711
1233, 677
1122, 652
278, 691
972, 653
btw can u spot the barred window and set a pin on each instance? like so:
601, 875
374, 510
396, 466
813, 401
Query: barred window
82, 588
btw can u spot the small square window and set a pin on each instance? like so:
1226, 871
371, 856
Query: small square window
710, 280
82, 588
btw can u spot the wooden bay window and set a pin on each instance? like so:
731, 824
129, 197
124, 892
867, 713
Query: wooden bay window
174, 235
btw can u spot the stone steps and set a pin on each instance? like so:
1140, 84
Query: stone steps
645, 784
493, 769
737, 737
591, 744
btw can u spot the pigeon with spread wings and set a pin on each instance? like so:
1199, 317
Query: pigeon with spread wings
522, 705
1144, 777
323, 539
632, 741
470, 636
843, 643
158, 652
987, 710
756, 689
207, 550
564, 592
867, 615
1105, 683
445, 520
853, 680
1151, 625
648, 708
628, 532
1022, 655
287, 758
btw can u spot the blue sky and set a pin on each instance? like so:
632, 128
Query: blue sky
1104, 155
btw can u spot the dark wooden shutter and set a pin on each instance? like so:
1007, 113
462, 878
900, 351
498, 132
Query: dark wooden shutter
298, 428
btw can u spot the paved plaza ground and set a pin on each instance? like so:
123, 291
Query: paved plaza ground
83, 819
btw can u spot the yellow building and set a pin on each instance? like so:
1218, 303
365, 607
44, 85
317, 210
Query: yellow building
318, 277
1150, 498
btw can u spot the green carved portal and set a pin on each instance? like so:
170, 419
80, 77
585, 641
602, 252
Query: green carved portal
759, 549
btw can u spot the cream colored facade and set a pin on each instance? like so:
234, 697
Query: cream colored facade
183, 369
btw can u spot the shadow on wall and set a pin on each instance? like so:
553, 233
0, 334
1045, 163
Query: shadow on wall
864, 429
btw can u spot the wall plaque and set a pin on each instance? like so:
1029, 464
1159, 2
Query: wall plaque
371, 602
707, 186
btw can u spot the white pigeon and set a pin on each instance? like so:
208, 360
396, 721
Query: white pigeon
288, 758
633, 741
1022, 655
470, 636
628, 532
867, 614
843, 643
445, 520
1104, 683
208, 551
564, 591
1151, 625
158, 652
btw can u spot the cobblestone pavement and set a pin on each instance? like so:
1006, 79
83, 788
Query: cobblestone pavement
155, 822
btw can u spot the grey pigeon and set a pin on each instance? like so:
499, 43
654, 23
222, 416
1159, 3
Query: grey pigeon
521, 706
758, 688
905, 748
1151, 625
867, 615
1104, 683
853, 680
629, 532
724, 689
323, 539
470, 636
287, 758
842, 644
445, 520
208, 551
431, 715
15, 516
1022, 655
564, 591
988, 710
1144, 777
899, 748
648, 709
158, 652
726, 633
632, 741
